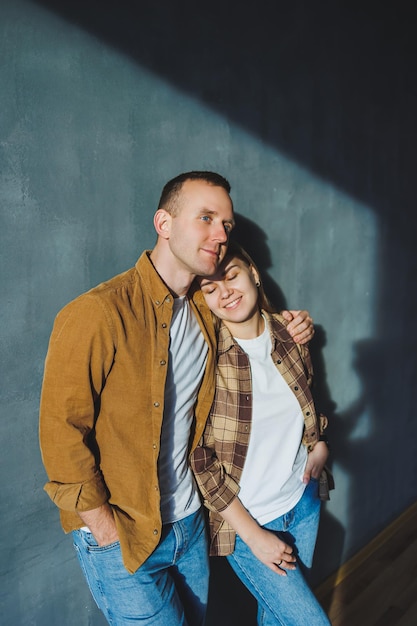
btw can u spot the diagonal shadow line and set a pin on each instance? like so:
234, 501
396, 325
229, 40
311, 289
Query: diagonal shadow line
331, 85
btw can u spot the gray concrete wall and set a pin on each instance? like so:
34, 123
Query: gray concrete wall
309, 110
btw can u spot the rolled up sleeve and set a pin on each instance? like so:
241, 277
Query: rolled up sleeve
217, 487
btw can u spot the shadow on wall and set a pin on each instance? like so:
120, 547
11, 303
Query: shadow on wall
331, 85
328, 84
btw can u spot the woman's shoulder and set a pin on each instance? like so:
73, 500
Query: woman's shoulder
275, 319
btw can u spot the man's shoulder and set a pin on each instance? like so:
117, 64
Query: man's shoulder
121, 281
104, 293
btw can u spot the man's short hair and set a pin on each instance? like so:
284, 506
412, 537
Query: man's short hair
171, 191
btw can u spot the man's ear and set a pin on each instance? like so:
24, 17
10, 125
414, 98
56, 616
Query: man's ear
162, 223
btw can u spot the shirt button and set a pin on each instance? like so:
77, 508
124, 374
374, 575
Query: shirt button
296, 388
154, 446
164, 325
307, 412
162, 362
155, 532
157, 302
279, 361
156, 404
247, 398
167, 299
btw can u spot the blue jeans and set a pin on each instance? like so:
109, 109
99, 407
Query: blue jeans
169, 589
285, 600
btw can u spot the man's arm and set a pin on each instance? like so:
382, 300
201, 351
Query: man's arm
79, 358
101, 523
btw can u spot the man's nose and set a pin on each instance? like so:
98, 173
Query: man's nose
220, 233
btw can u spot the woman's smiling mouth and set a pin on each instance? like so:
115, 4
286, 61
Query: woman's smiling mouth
233, 303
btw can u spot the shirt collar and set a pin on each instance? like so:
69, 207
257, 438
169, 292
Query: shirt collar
152, 281
277, 331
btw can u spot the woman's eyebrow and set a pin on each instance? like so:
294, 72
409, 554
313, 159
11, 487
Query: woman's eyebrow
209, 282
223, 274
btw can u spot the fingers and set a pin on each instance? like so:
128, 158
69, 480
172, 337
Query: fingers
272, 551
303, 336
289, 315
286, 562
301, 328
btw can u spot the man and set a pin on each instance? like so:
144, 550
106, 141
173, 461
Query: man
129, 381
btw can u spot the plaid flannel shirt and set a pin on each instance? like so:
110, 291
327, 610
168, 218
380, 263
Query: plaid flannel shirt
219, 458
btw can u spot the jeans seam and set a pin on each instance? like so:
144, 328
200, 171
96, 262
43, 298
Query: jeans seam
249, 577
179, 538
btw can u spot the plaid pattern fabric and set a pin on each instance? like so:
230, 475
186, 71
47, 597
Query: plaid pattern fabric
219, 458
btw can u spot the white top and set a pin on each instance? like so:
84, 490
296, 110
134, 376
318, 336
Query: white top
271, 482
187, 359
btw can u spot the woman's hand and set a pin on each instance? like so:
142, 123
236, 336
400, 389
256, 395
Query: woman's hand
316, 460
265, 545
300, 327
271, 551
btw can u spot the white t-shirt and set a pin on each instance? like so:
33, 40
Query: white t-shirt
187, 359
271, 482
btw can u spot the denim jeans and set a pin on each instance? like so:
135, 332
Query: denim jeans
285, 600
169, 589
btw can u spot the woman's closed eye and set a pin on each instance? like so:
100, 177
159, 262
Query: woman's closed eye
208, 289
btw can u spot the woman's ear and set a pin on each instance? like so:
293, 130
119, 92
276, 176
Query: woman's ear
162, 223
255, 276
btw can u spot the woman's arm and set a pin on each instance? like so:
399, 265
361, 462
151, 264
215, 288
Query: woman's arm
265, 545
316, 461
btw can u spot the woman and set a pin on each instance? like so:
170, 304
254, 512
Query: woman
261, 458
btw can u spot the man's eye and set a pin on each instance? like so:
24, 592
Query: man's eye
206, 218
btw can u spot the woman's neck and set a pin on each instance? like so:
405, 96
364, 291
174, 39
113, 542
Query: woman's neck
249, 329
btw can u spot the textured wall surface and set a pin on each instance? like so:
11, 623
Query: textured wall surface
309, 110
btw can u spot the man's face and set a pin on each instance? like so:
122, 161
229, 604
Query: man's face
200, 231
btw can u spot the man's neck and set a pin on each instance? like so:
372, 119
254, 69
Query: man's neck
176, 278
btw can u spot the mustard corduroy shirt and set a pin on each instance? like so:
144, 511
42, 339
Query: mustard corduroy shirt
102, 403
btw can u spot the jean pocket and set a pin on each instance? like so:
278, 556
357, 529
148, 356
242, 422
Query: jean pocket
91, 544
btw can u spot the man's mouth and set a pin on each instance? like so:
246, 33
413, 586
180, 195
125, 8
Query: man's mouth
214, 253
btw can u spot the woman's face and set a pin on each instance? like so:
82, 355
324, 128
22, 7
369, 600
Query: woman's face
232, 293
